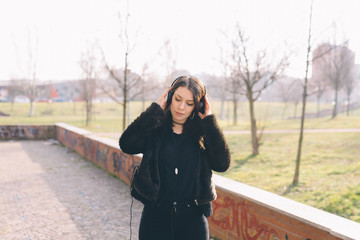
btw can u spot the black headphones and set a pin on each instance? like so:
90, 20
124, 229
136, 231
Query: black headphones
171, 93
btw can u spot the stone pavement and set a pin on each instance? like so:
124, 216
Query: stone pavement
49, 192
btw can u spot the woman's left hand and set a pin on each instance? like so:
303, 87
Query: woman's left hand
207, 109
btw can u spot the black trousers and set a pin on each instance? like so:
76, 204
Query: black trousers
163, 221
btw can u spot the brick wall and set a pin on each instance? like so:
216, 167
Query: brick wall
103, 152
240, 211
245, 212
23, 132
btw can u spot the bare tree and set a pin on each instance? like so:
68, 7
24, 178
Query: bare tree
223, 86
88, 66
167, 51
305, 94
143, 89
286, 88
319, 83
296, 95
216, 88
254, 78
15, 88
31, 79
139, 87
350, 85
234, 87
336, 66
318, 87
230, 86
123, 78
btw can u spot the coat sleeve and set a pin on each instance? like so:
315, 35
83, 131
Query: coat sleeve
216, 148
133, 139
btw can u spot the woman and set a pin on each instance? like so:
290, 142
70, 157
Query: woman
181, 143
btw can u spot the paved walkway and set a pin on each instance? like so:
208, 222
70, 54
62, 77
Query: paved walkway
49, 192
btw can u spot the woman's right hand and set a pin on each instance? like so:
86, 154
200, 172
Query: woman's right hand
162, 100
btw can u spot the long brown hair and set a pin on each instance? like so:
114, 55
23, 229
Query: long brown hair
198, 90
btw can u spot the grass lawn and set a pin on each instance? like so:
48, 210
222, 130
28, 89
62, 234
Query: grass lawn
330, 167
107, 117
329, 172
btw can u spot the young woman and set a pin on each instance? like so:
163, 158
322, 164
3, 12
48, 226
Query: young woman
181, 145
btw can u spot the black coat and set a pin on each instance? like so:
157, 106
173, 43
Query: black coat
146, 134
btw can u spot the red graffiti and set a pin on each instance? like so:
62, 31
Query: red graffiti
236, 217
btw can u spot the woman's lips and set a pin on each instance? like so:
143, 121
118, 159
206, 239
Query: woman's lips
180, 114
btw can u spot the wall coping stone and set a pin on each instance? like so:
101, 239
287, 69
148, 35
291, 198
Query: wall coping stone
336, 225
106, 141
69, 127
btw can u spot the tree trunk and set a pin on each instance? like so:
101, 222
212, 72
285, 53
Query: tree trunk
125, 90
235, 111
222, 109
295, 110
128, 114
228, 112
74, 107
301, 137
88, 112
254, 139
334, 113
317, 107
32, 108
284, 110
348, 106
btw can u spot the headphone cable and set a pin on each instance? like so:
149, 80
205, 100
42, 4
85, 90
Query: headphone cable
132, 201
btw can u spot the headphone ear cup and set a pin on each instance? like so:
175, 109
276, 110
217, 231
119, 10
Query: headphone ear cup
202, 105
169, 97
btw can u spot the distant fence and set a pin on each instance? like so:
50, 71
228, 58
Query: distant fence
240, 211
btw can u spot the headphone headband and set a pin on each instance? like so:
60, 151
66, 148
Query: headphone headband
189, 77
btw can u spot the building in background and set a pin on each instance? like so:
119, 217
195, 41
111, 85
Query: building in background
60, 91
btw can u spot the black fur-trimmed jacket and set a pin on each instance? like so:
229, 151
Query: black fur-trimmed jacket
146, 134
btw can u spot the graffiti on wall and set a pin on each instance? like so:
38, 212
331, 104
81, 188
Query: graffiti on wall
109, 158
124, 163
235, 216
89, 148
101, 156
72, 140
26, 132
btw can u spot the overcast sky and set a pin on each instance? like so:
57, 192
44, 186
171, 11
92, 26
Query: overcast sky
63, 29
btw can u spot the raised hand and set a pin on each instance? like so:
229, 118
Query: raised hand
162, 100
207, 109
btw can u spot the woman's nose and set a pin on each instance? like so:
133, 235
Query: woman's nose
182, 105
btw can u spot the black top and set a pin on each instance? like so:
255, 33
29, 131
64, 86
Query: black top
178, 166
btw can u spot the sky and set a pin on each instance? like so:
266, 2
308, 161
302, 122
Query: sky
58, 32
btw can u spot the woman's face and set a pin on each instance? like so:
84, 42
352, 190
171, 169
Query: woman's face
182, 104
